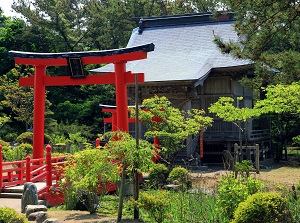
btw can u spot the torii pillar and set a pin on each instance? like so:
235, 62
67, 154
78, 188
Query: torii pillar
75, 61
113, 121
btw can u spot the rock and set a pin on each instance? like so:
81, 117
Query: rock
51, 220
44, 202
174, 187
87, 201
34, 208
32, 216
41, 217
29, 196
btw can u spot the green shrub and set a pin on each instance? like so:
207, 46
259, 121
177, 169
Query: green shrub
83, 171
232, 191
265, 207
243, 168
10, 137
296, 140
27, 137
3, 143
155, 204
10, 215
5, 148
18, 153
158, 175
25, 148
47, 138
182, 176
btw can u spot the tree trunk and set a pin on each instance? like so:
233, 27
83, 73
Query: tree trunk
136, 193
122, 187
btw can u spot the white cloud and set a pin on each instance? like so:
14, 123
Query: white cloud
6, 7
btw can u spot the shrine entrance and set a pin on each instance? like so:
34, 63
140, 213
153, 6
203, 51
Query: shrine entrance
75, 61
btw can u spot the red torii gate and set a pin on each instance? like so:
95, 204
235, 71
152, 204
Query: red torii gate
119, 57
113, 120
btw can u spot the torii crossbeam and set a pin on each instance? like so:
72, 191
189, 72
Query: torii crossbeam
119, 57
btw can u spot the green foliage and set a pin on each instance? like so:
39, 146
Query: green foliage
18, 153
10, 215
232, 191
296, 140
58, 139
11, 37
280, 99
74, 132
20, 101
8, 154
123, 148
158, 175
282, 105
26, 147
265, 207
243, 168
77, 137
88, 170
294, 201
25, 137
192, 207
3, 120
170, 125
225, 109
268, 37
156, 204
3, 143
10, 136
181, 176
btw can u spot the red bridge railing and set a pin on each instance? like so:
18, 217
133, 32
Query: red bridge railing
31, 170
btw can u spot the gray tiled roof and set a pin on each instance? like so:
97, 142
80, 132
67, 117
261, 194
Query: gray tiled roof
182, 52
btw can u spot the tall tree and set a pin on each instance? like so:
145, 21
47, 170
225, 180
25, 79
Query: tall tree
11, 37
269, 37
282, 103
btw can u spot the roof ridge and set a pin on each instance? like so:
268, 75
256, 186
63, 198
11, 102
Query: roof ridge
182, 19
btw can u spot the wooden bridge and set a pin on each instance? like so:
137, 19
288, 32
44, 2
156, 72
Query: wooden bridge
46, 171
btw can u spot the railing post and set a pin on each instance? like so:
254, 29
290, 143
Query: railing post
257, 158
97, 142
48, 166
28, 169
1, 168
236, 155
20, 175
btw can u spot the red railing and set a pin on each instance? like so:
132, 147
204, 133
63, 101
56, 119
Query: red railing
31, 170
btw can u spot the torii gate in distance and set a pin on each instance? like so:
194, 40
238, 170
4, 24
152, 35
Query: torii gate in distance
75, 61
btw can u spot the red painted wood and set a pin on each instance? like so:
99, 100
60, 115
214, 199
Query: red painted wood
1, 172
39, 112
97, 142
201, 146
28, 175
48, 166
121, 97
40, 80
88, 80
42, 62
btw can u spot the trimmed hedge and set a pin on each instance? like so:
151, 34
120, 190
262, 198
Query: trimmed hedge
10, 215
266, 207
